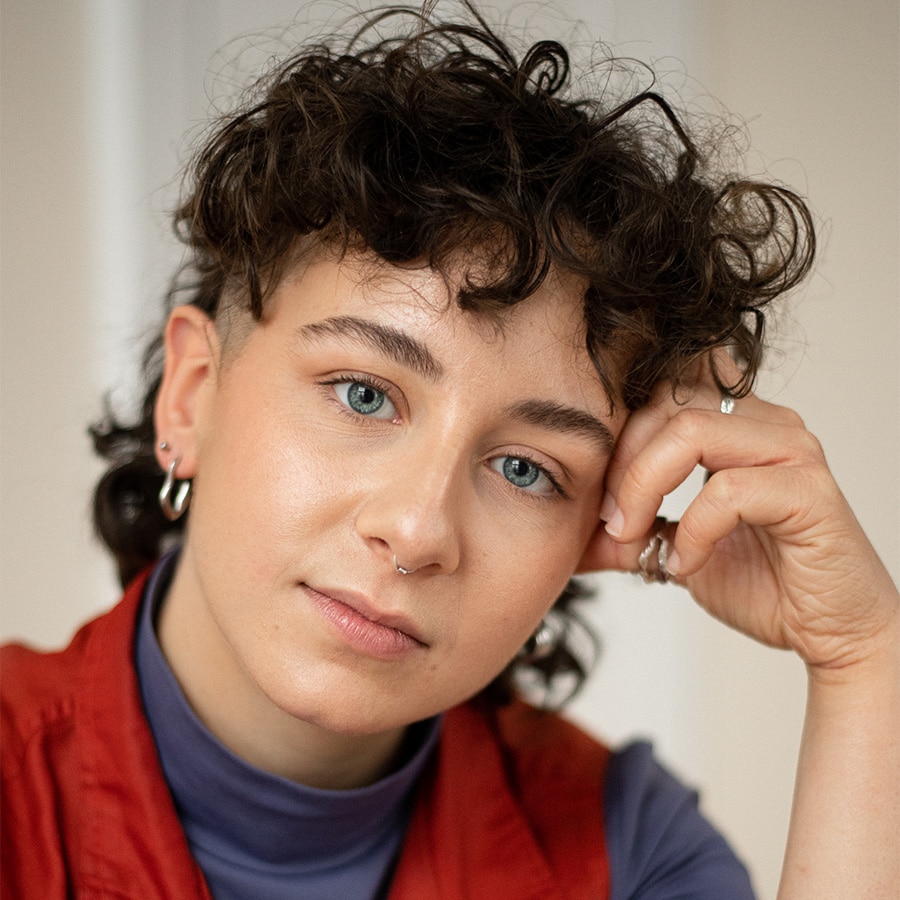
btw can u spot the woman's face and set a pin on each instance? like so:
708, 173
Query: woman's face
368, 420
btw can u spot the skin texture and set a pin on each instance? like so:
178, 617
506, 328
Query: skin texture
294, 490
295, 493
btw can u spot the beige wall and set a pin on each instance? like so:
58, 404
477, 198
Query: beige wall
95, 99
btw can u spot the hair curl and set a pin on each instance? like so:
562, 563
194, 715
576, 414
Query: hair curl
438, 141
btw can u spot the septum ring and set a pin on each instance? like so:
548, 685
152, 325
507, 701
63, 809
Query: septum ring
400, 568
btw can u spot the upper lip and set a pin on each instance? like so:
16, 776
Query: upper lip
361, 604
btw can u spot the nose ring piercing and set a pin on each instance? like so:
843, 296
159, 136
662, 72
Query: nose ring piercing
400, 568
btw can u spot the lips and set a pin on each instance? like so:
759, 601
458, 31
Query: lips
358, 623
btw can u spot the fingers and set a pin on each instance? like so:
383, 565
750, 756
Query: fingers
645, 423
693, 437
662, 444
778, 499
768, 545
604, 553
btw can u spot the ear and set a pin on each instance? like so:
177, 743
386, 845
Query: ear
192, 356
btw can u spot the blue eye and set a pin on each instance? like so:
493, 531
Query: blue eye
520, 472
365, 399
524, 474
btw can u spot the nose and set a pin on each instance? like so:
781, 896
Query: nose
413, 514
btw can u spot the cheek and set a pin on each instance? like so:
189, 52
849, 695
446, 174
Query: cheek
493, 639
517, 591
262, 483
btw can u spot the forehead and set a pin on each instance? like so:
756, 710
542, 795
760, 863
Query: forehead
324, 281
530, 356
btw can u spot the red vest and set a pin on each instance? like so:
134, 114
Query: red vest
512, 799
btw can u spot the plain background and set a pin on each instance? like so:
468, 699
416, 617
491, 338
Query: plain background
100, 99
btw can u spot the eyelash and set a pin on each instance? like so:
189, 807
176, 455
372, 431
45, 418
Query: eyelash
387, 389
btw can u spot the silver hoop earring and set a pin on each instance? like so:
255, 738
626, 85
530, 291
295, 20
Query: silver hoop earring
545, 640
400, 568
172, 501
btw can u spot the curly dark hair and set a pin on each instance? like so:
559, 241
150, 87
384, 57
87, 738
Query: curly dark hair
439, 141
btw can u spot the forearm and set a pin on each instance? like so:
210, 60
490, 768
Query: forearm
844, 838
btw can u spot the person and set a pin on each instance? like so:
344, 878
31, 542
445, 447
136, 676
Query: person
448, 335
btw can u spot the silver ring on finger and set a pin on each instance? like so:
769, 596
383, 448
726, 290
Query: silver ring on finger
726, 407
653, 559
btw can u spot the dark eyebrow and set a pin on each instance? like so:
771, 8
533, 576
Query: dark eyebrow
413, 354
547, 414
396, 344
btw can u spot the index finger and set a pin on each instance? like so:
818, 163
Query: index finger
699, 390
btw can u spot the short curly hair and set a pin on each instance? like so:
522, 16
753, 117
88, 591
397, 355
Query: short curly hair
439, 141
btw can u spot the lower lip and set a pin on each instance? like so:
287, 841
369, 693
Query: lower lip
364, 635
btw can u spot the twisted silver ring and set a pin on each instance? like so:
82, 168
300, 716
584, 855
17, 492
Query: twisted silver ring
653, 559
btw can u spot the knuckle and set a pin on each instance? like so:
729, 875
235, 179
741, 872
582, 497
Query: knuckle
788, 417
690, 423
722, 488
809, 449
636, 479
690, 535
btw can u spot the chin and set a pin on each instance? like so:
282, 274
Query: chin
358, 711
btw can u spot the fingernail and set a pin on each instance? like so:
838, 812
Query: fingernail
673, 563
615, 523
607, 507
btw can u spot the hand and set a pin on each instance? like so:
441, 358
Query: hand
769, 545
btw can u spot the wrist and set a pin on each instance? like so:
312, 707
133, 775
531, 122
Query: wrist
874, 660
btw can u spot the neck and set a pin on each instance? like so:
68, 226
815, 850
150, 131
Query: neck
236, 711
